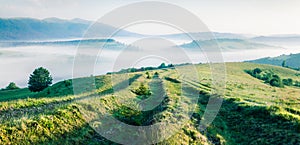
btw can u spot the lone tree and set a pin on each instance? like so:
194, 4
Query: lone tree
39, 80
12, 86
283, 64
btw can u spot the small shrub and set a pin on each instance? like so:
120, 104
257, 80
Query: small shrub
12, 86
148, 75
142, 90
67, 83
156, 75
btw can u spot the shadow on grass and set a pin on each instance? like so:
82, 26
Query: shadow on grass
139, 118
40, 109
84, 135
239, 123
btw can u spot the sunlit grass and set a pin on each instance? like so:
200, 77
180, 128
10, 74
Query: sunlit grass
252, 112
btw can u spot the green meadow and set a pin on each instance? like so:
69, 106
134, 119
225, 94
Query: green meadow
252, 112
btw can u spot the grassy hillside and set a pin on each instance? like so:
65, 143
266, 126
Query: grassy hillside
292, 60
252, 112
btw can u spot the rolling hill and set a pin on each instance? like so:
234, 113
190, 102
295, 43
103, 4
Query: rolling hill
207, 35
228, 44
252, 112
51, 28
278, 40
291, 60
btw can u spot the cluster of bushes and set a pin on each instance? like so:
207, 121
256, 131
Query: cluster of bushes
271, 78
130, 70
297, 84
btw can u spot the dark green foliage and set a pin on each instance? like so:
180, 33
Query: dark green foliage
148, 75
268, 76
276, 81
257, 71
68, 83
155, 75
48, 91
39, 80
131, 70
172, 80
297, 84
283, 64
170, 65
162, 65
12, 86
142, 90
287, 82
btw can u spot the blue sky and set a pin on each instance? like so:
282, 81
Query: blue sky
262, 17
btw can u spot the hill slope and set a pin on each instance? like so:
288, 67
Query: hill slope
292, 60
207, 35
227, 44
50, 28
252, 112
278, 40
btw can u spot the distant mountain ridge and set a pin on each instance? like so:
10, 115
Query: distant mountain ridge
56, 28
285, 38
226, 44
208, 35
57, 42
51, 28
